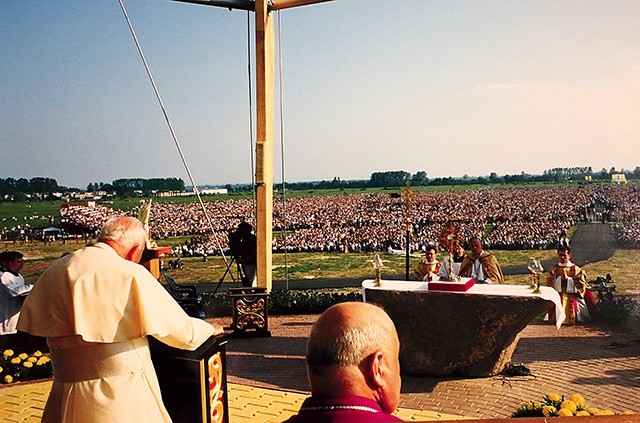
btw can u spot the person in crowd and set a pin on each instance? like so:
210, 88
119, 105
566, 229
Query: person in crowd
481, 265
243, 246
427, 270
96, 307
457, 257
563, 239
353, 366
571, 283
12, 292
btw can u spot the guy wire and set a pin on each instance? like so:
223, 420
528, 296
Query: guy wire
173, 134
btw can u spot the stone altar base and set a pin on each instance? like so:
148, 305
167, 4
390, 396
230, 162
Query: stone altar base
456, 334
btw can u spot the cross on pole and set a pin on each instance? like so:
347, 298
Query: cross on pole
265, 47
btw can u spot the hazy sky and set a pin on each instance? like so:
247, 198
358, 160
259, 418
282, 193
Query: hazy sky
448, 87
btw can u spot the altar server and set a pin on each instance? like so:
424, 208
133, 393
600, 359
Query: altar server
427, 270
571, 283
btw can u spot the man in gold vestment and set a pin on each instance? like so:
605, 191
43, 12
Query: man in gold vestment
427, 270
571, 283
481, 265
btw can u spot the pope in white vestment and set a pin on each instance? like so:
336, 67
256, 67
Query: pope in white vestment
96, 308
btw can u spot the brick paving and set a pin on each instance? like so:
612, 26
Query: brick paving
600, 362
24, 403
267, 377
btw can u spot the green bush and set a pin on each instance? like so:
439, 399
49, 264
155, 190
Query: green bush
618, 308
308, 301
294, 301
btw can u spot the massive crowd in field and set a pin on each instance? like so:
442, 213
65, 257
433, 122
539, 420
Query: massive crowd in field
506, 218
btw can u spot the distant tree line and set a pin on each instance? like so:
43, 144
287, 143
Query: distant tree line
43, 188
129, 186
19, 189
399, 178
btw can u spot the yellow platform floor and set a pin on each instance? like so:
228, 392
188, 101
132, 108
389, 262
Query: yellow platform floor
24, 402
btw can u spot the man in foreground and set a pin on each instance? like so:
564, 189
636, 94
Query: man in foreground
95, 307
353, 367
481, 265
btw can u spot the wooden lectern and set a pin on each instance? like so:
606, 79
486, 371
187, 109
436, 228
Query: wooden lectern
193, 383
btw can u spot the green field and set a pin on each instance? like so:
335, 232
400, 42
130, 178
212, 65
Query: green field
624, 265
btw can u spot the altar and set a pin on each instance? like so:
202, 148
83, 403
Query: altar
471, 333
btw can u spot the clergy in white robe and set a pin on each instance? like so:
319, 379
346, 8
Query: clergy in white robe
12, 291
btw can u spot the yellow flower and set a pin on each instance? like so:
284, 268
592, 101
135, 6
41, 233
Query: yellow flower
37, 354
578, 400
569, 405
15, 360
7, 353
583, 413
565, 412
593, 411
23, 356
1, 369
548, 410
27, 364
554, 397
8, 379
32, 359
607, 413
533, 405
627, 412
43, 360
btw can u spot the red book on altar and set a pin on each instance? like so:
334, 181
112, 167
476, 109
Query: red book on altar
461, 286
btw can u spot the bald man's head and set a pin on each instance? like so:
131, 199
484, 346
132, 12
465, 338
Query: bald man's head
347, 332
353, 350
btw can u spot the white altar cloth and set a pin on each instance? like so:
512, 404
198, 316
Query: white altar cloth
546, 292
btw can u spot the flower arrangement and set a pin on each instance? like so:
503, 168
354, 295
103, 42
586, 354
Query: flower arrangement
554, 404
23, 367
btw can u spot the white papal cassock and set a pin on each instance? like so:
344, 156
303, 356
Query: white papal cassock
96, 309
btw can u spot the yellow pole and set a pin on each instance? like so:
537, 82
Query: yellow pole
264, 141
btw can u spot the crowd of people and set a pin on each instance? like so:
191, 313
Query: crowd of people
504, 218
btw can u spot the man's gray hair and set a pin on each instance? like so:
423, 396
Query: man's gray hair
349, 347
124, 230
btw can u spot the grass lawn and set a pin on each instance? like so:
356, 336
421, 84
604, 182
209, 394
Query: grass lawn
624, 265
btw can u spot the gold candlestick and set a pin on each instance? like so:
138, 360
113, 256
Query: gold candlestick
536, 269
377, 266
537, 283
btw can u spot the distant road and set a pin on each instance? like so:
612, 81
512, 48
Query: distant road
591, 243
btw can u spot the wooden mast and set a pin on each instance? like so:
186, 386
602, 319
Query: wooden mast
265, 46
264, 141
